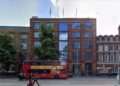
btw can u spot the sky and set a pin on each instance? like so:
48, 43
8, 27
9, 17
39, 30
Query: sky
19, 12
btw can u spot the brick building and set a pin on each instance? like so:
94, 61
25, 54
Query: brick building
76, 41
21, 37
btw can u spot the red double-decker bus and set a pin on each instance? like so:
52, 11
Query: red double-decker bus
39, 70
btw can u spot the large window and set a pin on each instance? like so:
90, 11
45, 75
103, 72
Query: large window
63, 49
63, 45
76, 56
76, 44
88, 55
111, 46
76, 34
36, 34
23, 45
88, 25
36, 44
23, 36
63, 26
88, 34
50, 25
76, 25
36, 25
63, 36
100, 48
88, 43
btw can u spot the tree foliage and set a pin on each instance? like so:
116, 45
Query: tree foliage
47, 50
7, 50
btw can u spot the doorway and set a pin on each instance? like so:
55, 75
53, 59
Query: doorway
75, 70
88, 69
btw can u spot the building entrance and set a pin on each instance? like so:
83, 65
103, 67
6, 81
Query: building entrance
88, 69
75, 69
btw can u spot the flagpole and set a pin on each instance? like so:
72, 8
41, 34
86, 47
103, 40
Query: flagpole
63, 12
76, 12
57, 8
50, 12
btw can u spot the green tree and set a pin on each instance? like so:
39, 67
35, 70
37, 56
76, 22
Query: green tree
7, 51
47, 49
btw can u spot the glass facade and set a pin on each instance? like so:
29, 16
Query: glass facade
63, 41
88, 55
76, 55
76, 44
63, 49
76, 25
63, 26
88, 34
76, 34
88, 25
63, 35
88, 43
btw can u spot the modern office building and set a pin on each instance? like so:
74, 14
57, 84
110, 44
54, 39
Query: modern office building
21, 37
108, 54
76, 41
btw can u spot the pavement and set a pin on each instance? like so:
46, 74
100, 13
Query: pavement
82, 81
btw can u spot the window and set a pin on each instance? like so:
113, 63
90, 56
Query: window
100, 48
88, 55
110, 47
23, 46
36, 34
50, 25
36, 44
111, 39
88, 34
63, 36
88, 24
63, 26
63, 45
63, 49
76, 25
76, 56
76, 44
100, 58
76, 34
105, 47
23, 40
36, 26
23, 36
116, 46
88, 43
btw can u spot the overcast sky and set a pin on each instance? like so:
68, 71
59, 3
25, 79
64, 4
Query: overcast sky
106, 12
17, 12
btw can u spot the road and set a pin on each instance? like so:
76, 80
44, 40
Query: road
83, 81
